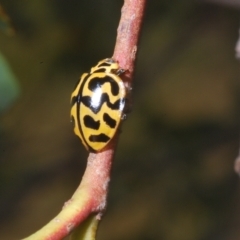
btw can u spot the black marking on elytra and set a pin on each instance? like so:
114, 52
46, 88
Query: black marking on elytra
109, 121
102, 67
87, 101
89, 122
99, 138
76, 99
100, 70
73, 100
98, 82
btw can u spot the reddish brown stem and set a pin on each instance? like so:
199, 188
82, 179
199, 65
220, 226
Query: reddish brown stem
128, 35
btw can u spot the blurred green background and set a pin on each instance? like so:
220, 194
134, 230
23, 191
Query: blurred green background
173, 175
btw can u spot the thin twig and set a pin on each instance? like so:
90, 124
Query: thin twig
128, 35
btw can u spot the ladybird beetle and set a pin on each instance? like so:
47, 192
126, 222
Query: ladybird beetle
97, 105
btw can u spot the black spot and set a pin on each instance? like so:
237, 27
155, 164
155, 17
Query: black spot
98, 82
115, 105
99, 138
102, 67
100, 70
86, 100
89, 122
73, 100
109, 121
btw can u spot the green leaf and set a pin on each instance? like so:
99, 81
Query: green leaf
87, 230
9, 87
